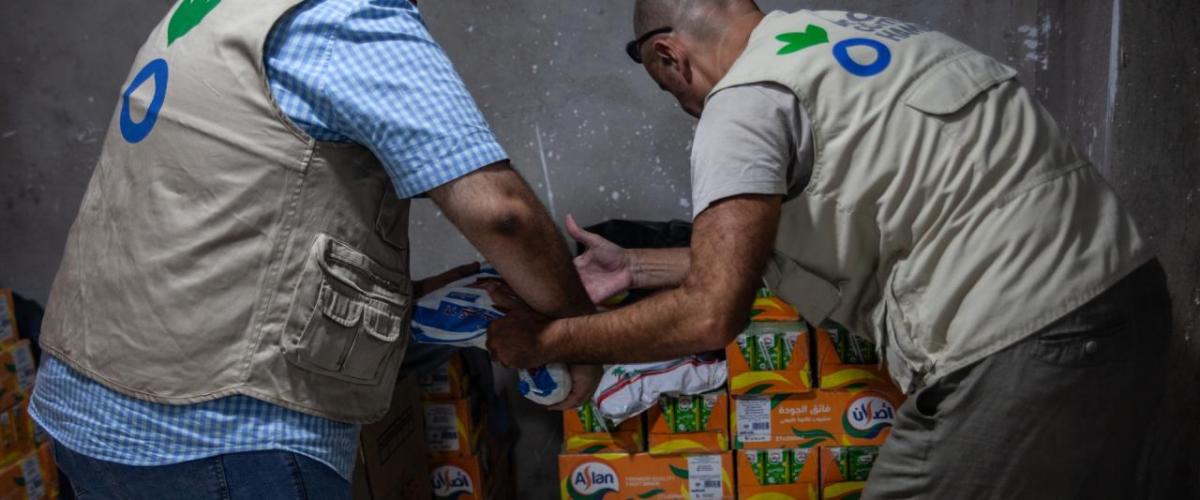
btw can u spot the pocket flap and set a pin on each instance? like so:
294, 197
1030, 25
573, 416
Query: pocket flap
343, 310
381, 324
814, 297
950, 86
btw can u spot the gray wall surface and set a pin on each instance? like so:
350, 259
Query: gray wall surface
596, 138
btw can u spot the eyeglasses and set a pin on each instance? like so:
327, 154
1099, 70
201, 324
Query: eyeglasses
634, 48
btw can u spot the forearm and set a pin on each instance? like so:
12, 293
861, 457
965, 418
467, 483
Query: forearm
668, 325
498, 213
659, 267
729, 250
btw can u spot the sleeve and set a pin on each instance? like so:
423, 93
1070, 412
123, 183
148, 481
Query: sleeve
748, 141
390, 87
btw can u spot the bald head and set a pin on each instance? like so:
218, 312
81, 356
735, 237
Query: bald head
701, 20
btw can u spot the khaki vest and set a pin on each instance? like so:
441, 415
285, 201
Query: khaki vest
219, 250
947, 215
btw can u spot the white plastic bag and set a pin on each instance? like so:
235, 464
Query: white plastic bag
627, 390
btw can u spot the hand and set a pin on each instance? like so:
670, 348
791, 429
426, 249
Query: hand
584, 379
604, 268
516, 339
423, 287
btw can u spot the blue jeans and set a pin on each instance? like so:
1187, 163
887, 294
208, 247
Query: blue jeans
259, 475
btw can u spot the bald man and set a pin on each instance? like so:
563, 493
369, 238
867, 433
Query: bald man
896, 181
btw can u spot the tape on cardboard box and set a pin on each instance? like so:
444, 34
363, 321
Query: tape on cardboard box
823, 418
641, 475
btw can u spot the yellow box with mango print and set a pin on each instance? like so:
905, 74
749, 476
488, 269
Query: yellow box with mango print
770, 358
641, 475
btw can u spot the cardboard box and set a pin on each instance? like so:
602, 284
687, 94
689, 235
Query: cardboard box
32, 477
17, 374
689, 424
392, 461
770, 358
13, 444
453, 426
448, 381
641, 475
851, 490
584, 431
604, 442
769, 307
27, 430
801, 481
840, 464
8, 318
823, 418
462, 477
847, 361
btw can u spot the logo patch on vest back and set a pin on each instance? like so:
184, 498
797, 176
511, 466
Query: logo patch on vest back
187, 16
871, 56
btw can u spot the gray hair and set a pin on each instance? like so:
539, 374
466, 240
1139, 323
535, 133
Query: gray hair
700, 19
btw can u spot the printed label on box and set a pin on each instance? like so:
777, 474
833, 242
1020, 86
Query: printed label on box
704, 476
441, 427
754, 419
32, 472
25, 368
437, 381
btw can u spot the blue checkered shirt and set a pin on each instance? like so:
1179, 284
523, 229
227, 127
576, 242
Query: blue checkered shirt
343, 70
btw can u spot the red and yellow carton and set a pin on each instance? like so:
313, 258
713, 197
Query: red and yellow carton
8, 318
769, 307
844, 470
17, 374
823, 418
792, 477
585, 431
642, 475
452, 426
847, 361
448, 381
462, 477
689, 424
770, 358
32, 477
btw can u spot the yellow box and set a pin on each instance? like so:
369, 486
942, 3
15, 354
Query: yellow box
584, 431
702, 433
822, 418
850, 490
604, 442
448, 381
750, 374
452, 426
641, 475
13, 443
8, 318
769, 307
32, 477
834, 341
17, 374
462, 477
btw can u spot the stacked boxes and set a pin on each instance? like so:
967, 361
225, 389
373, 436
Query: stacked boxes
468, 457
808, 416
27, 469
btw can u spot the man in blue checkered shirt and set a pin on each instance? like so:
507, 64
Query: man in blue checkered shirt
342, 72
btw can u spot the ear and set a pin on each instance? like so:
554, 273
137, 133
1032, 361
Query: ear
672, 56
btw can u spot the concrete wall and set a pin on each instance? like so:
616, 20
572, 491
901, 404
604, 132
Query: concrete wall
598, 139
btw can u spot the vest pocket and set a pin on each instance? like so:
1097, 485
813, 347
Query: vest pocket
353, 313
948, 87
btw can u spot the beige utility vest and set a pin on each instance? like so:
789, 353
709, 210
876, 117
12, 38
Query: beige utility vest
947, 214
219, 250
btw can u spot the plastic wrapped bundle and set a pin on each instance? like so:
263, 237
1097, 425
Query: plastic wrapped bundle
627, 390
459, 314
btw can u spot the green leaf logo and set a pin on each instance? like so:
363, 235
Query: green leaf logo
594, 449
814, 437
680, 473
187, 16
651, 493
797, 41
